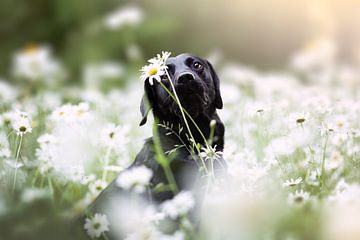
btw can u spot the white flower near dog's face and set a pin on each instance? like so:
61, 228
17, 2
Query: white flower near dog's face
96, 225
298, 198
292, 182
97, 186
21, 123
156, 69
180, 205
161, 59
135, 179
151, 72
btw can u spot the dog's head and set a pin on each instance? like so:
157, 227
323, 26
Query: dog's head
196, 84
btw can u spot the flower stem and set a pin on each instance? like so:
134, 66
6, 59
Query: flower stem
163, 161
180, 106
187, 114
105, 237
183, 111
16, 161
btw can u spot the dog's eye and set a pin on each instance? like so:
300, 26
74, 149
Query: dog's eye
164, 77
197, 66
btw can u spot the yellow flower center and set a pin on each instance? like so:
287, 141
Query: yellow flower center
153, 71
340, 124
31, 48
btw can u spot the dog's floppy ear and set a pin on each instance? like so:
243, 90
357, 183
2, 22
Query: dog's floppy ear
218, 99
146, 102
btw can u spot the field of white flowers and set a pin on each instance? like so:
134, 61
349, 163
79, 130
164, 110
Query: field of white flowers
292, 149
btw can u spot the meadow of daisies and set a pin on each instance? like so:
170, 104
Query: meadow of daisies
292, 149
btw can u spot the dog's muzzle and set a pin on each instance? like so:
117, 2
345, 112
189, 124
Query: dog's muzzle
185, 78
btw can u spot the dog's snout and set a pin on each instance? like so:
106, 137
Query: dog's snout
185, 78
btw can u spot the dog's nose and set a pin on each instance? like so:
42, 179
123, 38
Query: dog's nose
186, 77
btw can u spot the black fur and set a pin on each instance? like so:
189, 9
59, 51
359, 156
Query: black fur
200, 96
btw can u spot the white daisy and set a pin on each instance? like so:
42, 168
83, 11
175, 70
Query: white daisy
114, 135
136, 178
21, 123
71, 113
46, 139
299, 119
156, 69
210, 153
47, 150
314, 177
36, 62
298, 198
160, 58
151, 72
97, 186
62, 113
179, 205
96, 225
81, 111
292, 182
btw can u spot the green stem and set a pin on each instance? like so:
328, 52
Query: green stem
163, 161
180, 106
183, 111
105, 237
212, 132
34, 178
16, 161
187, 114
51, 187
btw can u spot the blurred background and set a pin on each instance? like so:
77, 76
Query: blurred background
69, 76
254, 32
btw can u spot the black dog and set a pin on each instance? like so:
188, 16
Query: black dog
198, 88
